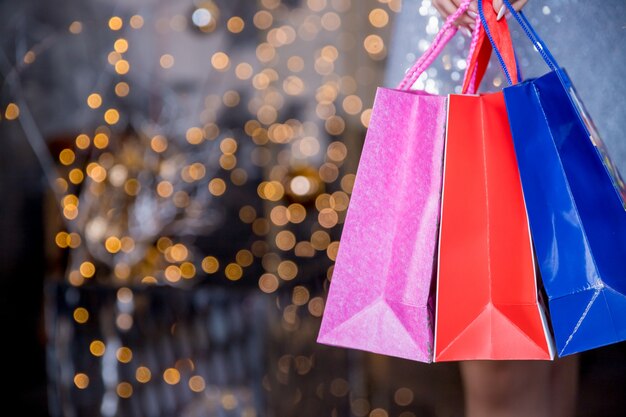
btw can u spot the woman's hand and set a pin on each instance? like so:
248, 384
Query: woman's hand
448, 7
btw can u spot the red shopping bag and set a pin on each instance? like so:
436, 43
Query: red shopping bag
487, 292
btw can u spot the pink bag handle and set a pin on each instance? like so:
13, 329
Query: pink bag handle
447, 31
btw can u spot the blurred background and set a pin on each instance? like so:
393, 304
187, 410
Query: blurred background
174, 178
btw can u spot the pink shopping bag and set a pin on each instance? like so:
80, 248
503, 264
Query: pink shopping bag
381, 295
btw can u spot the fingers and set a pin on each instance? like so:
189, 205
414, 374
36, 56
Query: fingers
500, 8
445, 7
448, 7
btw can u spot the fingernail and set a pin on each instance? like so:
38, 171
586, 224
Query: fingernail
466, 32
501, 12
472, 14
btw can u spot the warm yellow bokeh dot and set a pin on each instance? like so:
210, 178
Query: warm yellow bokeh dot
316, 306
263, 19
228, 145
332, 250
67, 156
113, 244
228, 162
335, 125
231, 98
136, 21
331, 21
75, 27
261, 227
124, 390
317, 5
229, 401
121, 45
122, 67
300, 295
29, 57
347, 182
166, 61
94, 100
374, 44
247, 214
81, 315
70, 211
235, 24
233, 272
171, 376
70, 199
164, 189
81, 381
217, 187
220, 61
378, 18
111, 116
265, 53
268, 283
239, 176
122, 89
124, 354
82, 141
128, 244
244, 257
378, 412
132, 187
243, 71
194, 135
196, 383
279, 215
97, 348
149, 279
285, 240
296, 213
328, 218
287, 270
352, 104
122, 270
62, 239
12, 111
365, 117
320, 240
76, 176
75, 278
101, 140
115, 23
60, 185
74, 240
113, 57
158, 143
176, 253
143, 374
187, 270
403, 396
172, 273
295, 63
87, 269
210, 264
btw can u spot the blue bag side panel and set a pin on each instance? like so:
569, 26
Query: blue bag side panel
563, 253
599, 207
576, 218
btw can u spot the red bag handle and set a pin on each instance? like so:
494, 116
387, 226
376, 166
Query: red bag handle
479, 60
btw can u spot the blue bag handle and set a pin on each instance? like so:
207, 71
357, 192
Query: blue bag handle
530, 34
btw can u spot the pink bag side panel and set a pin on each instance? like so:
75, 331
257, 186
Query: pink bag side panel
380, 296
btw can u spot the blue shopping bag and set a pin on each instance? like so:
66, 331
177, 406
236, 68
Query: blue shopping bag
576, 204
